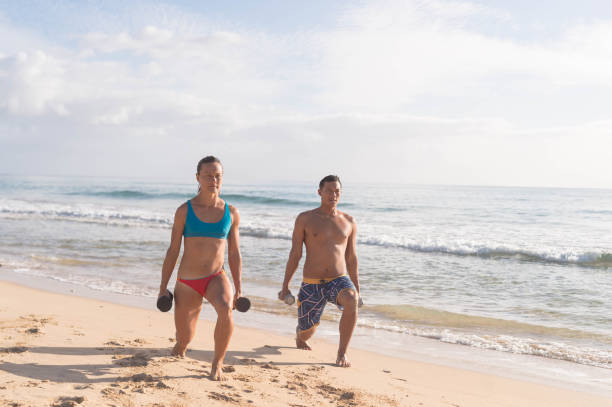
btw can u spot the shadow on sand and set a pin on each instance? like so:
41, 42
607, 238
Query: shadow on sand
132, 356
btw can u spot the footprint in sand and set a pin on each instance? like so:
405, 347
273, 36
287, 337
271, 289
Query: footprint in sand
295, 385
316, 368
66, 401
269, 365
35, 325
118, 342
142, 377
139, 359
34, 318
110, 393
143, 380
343, 397
31, 384
224, 397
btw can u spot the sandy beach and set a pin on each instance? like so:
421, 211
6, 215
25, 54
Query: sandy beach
446, 159
64, 350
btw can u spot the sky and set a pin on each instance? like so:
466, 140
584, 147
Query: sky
508, 93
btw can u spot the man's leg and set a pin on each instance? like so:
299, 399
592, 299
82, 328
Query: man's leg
187, 306
310, 307
348, 299
302, 336
219, 294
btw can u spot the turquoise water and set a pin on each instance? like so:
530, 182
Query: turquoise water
521, 270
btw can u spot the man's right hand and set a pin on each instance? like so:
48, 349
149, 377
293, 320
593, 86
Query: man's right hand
283, 293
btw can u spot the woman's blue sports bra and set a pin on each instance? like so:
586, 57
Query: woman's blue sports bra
194, 227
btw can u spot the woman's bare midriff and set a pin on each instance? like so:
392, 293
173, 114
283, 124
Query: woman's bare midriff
202, 256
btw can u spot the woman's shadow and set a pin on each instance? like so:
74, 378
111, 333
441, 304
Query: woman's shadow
124, 356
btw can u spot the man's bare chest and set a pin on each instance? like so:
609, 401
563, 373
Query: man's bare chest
329, 230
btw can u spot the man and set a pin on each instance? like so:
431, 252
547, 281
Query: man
330, 238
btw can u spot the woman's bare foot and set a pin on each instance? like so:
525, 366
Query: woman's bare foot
342, 361
179, 351
216, 371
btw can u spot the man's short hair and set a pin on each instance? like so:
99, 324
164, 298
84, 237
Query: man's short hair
329, 178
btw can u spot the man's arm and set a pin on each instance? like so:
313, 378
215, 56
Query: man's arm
233, 253
350, 255
174, 249
295, 254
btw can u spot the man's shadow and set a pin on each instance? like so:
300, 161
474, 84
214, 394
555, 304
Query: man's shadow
132, 356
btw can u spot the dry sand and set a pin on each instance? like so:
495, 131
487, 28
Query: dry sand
64, 350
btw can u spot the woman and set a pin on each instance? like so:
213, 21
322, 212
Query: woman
206, 222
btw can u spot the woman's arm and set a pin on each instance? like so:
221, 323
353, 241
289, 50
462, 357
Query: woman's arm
174, 249
233, 253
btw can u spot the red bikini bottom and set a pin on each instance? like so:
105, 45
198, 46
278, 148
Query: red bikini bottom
200, 284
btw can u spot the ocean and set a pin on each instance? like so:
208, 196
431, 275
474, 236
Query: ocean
519, 270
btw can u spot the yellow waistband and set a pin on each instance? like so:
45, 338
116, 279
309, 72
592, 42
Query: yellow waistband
321, 280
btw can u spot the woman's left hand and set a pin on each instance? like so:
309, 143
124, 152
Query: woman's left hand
237, 294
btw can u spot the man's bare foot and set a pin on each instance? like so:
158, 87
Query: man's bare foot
179, 351
300, 344
342, 361
216, 371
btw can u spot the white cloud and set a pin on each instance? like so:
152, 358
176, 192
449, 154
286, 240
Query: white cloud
32, 83
412, 88
394, 52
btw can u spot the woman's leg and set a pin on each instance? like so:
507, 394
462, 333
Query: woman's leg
187, 306
219, 294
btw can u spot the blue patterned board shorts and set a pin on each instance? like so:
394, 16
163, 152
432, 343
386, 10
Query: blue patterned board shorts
313, 297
